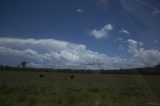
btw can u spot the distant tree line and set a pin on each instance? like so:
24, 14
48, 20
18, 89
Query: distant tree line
147, 70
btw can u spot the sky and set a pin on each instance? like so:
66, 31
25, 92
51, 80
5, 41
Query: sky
93, 34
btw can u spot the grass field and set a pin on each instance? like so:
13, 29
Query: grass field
58, 89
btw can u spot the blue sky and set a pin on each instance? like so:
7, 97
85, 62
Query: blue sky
105, 27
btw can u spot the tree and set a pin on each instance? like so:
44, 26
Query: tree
23, 64
158, 66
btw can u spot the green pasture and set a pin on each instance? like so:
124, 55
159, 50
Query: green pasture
22, 88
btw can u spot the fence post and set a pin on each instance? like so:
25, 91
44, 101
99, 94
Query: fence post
68, 86
89, 84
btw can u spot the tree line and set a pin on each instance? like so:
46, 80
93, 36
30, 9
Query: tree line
146, 70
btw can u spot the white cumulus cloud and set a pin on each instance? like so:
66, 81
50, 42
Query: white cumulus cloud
103, 32
53, 53
49, 53
78, 10
123, 31
156, 41
141, 56
155, 12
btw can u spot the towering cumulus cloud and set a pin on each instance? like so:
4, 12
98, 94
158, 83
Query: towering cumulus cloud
54, 53
141, 56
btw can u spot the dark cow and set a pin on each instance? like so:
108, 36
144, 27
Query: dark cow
41, 75
72, 76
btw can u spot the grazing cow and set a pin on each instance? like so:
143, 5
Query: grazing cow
41, 75
72, 76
